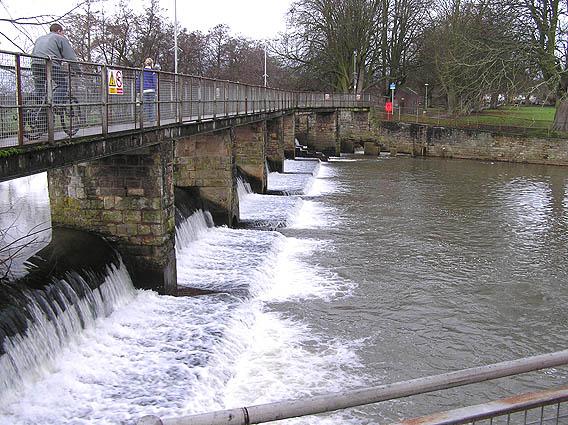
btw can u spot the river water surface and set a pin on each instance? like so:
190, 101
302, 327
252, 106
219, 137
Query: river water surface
372, 271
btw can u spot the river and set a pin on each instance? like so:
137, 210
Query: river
371, 271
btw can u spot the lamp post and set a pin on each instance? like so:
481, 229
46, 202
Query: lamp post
175, 38
354, 71
426, 98
265, 74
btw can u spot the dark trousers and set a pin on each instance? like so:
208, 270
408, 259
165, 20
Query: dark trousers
149, 106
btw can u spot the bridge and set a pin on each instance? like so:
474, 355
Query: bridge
116, 158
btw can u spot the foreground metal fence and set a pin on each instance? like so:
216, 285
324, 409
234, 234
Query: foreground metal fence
102, 99
501, 412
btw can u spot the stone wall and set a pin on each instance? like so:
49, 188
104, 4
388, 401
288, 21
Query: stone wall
205, 165
128, 199
419, 139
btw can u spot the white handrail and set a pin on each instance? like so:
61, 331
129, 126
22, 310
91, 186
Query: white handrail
326, 403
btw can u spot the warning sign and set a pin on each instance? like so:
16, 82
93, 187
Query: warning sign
115, 81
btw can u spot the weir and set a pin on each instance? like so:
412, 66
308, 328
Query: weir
252, 338
72, 282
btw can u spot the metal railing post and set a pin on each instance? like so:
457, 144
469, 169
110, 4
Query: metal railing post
104, 101
199, 99
20, 100
214, 99
225, 98
238, 98
157, 99
190, 106
50, 114
140, 89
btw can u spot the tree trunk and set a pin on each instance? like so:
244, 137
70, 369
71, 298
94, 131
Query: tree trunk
561, 117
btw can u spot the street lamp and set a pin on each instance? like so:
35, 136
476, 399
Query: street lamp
265, 74
355, 71
426, 98
175, 38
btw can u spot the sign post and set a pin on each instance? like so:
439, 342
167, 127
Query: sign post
392, 88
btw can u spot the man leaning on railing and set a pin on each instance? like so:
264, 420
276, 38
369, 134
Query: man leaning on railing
51, 46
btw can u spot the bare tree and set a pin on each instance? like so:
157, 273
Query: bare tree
24, 25
473, 51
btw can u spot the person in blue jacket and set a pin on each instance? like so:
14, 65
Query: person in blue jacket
149, 88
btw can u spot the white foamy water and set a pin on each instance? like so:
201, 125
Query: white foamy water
171, 356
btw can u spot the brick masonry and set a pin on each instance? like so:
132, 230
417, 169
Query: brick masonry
205, 163
421, 139
127, 198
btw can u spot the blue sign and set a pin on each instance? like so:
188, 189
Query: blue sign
392, 86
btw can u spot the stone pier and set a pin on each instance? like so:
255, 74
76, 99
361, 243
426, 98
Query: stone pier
289, 135
128, 199
250, 153
354, 128
323, 132
301, 126
275, 144
205, 167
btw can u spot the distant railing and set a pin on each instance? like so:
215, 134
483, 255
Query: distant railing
498, 121
326, 403
109, 101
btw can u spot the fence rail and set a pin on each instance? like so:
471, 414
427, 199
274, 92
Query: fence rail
326, 403
109, 99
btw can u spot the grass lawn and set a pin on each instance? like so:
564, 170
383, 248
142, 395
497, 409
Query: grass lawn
528, 120
515, 116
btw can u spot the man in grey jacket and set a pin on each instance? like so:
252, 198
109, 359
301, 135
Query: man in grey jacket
56, 47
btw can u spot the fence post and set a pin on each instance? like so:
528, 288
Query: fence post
50, 116
214, 99
225, 98
199, 95
178, 93
157, 99
141, 91
104, 101
238, 86
20, 100
190, 106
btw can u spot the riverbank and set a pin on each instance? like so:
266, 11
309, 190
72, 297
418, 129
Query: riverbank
445, 142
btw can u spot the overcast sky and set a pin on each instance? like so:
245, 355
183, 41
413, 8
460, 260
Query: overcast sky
257, 19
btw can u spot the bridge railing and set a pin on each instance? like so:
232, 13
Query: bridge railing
532, 408
107, 98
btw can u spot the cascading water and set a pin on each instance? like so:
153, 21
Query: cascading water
138, 353
387, 277
55, 317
